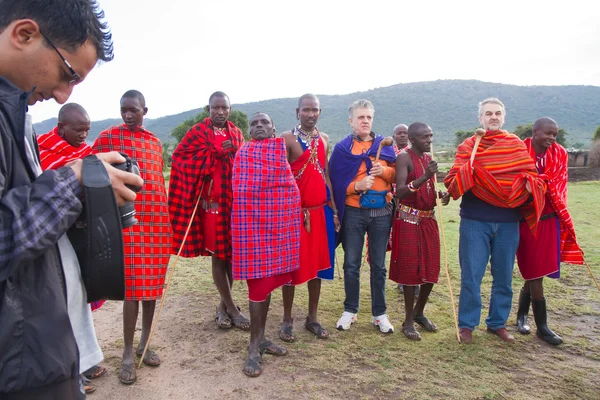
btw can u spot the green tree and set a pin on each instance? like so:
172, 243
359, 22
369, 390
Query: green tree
167, 152
238, 118
525, 131
461, 136
596, 134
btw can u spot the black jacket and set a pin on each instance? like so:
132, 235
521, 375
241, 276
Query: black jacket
37, 346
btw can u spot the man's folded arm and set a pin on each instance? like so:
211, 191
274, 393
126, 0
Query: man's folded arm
33, 217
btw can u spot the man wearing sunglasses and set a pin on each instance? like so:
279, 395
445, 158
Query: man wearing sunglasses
47, 48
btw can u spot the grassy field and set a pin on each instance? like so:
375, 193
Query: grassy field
362, 363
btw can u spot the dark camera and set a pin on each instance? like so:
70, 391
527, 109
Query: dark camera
127, 210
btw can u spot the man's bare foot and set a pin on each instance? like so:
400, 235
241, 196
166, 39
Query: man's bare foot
151, 359
239, 320
410, 331
127, 374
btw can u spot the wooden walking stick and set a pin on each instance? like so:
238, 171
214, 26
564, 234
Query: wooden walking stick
479, 132
441, 221
592, 274
388, 141
171, 272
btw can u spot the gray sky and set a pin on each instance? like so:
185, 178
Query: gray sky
178, 52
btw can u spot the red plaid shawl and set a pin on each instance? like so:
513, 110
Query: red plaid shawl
556, 176
147, 244
502, 169
194, 161
55, 151
265, 219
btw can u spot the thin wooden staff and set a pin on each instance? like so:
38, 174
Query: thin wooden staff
338, 266
479, 132
441, 221
592, 275
388, 141
171, 272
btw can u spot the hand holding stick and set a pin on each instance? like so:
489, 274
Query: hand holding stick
388, 141
479, 132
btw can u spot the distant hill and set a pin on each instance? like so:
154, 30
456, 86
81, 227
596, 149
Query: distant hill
446, 105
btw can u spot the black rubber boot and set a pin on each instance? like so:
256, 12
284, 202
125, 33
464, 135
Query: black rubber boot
543, 332
522, 325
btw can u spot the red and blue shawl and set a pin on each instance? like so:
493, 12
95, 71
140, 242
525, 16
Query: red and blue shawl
266, 212
343, 167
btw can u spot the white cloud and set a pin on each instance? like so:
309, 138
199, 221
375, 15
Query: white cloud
180, 51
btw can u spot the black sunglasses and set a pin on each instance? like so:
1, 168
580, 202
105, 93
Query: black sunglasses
74, 75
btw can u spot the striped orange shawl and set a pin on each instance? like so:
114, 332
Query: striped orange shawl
500, 174
556, 175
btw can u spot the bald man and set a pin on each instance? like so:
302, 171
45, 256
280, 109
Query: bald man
66, 141
400, 138
555, 241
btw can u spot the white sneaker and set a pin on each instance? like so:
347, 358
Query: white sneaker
383, 323
345, 321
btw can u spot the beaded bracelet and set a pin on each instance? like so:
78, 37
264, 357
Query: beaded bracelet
411, 187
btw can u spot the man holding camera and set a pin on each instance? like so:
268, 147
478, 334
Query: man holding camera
147, 243
41, 61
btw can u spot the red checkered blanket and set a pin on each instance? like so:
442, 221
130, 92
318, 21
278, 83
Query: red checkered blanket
265, 219
195, 162
147, 244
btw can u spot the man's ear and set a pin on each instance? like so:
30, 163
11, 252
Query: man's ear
298, 114
60, 127
24, 32
145, 110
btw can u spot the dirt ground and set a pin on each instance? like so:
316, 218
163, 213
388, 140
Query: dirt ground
199, 361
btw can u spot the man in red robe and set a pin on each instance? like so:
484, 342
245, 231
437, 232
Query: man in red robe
148, 243
306, 149
201, 171
416, 247
265, 229
555, 241
66, 142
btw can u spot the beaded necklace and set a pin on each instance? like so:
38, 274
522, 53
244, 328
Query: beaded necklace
428, 182
220, 131
311, 142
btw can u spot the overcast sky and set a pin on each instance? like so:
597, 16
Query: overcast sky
178, 52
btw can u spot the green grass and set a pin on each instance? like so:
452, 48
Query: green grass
362, 363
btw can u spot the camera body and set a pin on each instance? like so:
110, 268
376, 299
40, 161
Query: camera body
127, 210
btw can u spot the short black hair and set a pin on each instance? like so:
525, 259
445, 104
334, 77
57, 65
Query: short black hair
306, 96
68, 109
416, 127
67, 23
262, 112
135, 94
220, 95
543, 121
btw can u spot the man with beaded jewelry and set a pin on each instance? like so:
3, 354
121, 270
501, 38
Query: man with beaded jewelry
416, 241
307, 154
202, 167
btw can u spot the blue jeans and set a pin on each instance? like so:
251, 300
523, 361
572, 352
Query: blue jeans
478, 241
357, 221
